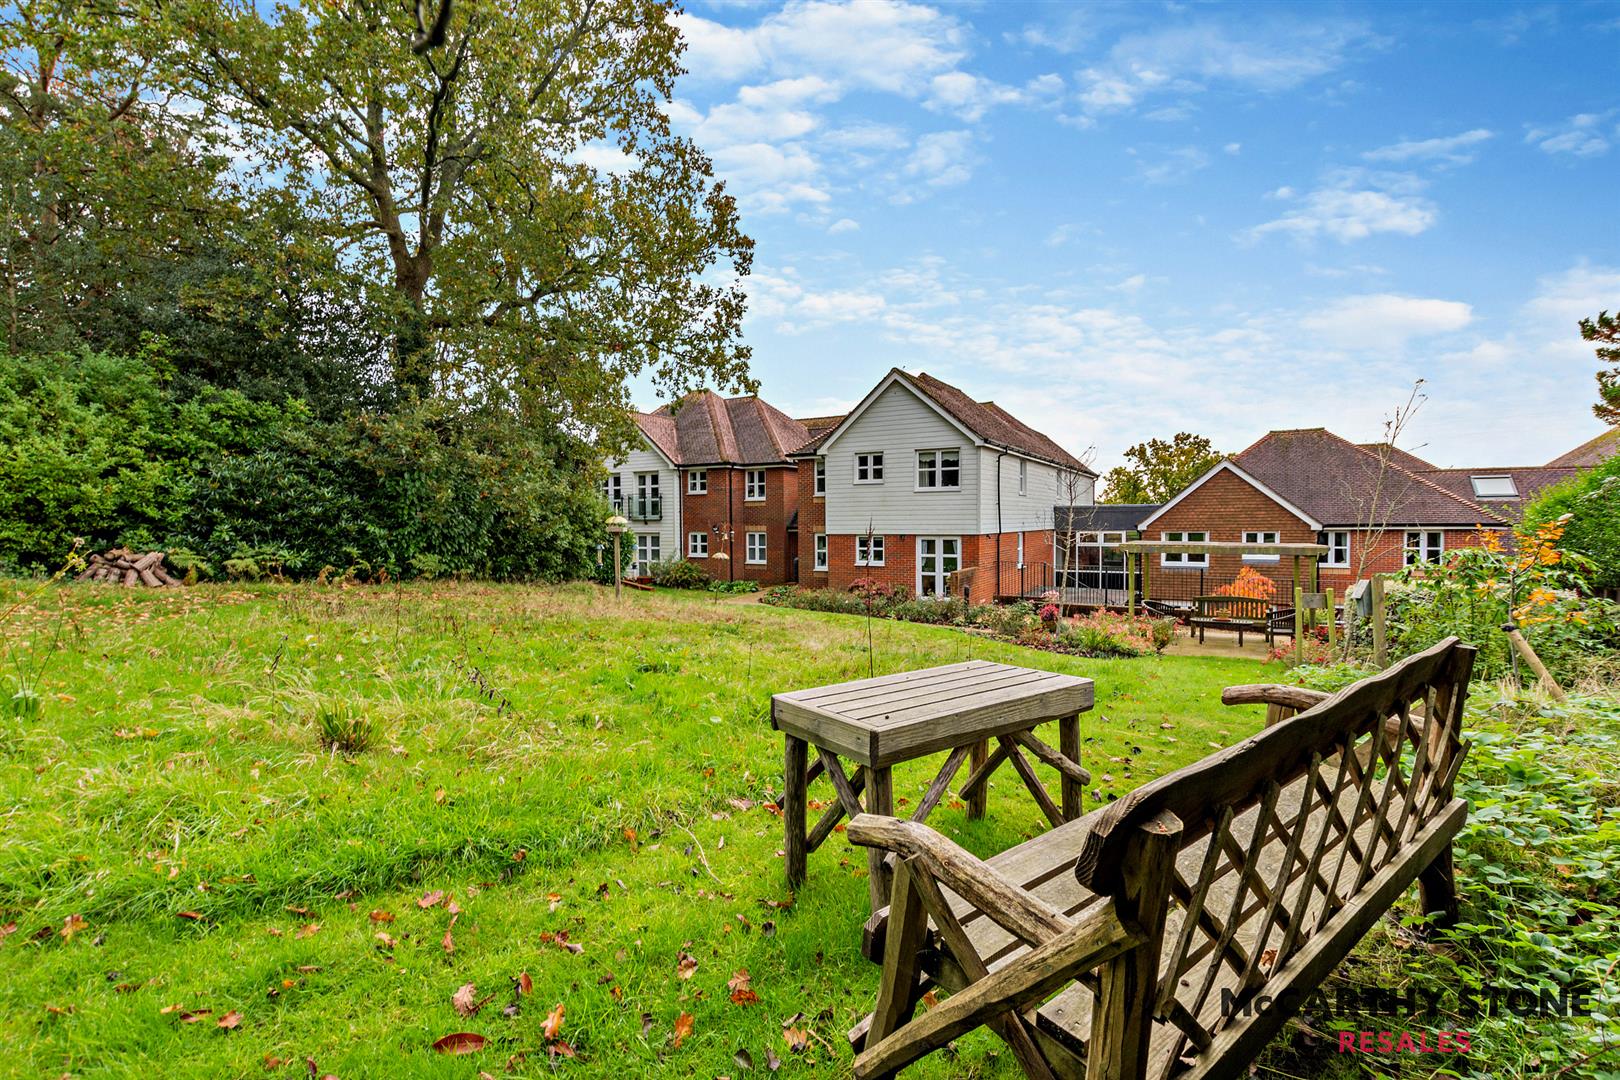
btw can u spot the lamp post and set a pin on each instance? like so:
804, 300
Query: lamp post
616, 525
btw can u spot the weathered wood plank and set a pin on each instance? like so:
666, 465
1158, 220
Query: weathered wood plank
794, 763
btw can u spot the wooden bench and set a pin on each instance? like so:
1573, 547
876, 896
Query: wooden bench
1245, 614
1127, 943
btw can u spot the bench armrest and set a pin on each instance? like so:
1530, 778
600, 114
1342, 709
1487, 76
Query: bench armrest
999, 897
1290, 697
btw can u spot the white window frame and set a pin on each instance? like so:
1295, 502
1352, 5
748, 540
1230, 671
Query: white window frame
863, 556
1420, 552
697, 545
653, 548
820, 552
821, 477
1178, 560
1023, 480
613, 488
754, 485
871, 463
1329, 538
931, 463
697, 482
1259, 537
941, 577
1511, 493
748, 548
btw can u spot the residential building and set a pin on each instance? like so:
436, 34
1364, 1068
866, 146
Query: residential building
711, 482
919, 481
1376, 507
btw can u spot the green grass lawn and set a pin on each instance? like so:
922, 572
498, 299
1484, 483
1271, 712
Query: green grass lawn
586, 782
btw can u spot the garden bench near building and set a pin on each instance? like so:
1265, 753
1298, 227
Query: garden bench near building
1172, 932
1245, 614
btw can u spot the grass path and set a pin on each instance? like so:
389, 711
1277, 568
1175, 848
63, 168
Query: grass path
585, 782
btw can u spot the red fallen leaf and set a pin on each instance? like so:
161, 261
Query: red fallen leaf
560, 1049
188, 915
386, 940
683, 1028
8, 929
381, 916
686, 965
460, 1042
797, 1039
231, 1020
630, 835
429, 899
273, 1062
772, 808
520, 854
930, 999
194, 1016
449, 942
741, 992
452, 907
553, 1025
304, 911
525, 984
466, 1000
308, 930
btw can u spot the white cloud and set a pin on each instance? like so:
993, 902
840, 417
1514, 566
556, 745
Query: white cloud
1233, 148
1187, 57
844, 225
970, 96
1584, 135
942, 158
1354, 204
1172, 166
1452, 149
604, 157
1385, 320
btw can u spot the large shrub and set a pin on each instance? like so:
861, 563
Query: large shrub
102, 447
1592, 501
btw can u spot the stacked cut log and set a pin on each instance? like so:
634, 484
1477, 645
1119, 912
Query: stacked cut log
121, 566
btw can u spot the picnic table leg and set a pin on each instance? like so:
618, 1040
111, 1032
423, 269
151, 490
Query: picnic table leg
793, 807
976, 801
1069, 747
879, 800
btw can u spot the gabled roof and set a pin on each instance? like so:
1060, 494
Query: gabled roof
819, 427
1590, 453
704, 428
1342, 484
1526, 480
984, 421
1230, 465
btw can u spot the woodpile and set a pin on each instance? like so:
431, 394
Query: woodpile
125, 567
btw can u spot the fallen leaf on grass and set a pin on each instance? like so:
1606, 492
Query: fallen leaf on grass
194, 1016
382, 916
449, 942
686, 965
72, 925
460, 1042
560, 939
560, 1049
429, 899
772, 1062
466, 1000
308, 930
553, 1023
635, 844
646, 1023
797, 1039
230, 1021
386, 940
525, 985
683, 1028
188, 915
744, 1060
741, 992
8, 929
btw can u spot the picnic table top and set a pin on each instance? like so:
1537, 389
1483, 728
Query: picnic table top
892, 718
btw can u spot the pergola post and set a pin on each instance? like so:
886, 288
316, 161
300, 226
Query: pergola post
1130, 584
1299, 616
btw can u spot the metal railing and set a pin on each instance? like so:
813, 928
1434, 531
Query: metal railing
640, 507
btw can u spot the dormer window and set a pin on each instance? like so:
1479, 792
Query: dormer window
1494, 487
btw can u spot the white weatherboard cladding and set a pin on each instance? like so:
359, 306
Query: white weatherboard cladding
898, 424
1031, 510
671, 542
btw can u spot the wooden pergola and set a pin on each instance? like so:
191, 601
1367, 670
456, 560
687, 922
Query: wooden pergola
1304, 556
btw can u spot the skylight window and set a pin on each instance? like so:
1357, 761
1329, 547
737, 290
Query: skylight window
1494, 487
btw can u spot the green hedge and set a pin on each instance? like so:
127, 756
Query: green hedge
1592, 499
99, 447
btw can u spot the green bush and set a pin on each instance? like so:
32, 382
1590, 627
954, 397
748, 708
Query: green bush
733, 587
1091, 640
679, 574
925, 610
1592, 499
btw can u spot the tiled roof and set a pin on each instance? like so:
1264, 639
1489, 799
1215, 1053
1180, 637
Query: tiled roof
1405, 459
1592, 452
704, 428
819, 428
1528, 481
1340, 483
1103, 517
991, 423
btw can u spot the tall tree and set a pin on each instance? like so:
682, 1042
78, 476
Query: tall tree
1157, 470
1605, 330
513, 199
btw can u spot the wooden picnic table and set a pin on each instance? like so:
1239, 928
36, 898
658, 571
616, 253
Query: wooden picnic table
880, 722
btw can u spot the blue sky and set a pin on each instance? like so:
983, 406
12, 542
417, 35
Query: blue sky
1121, 221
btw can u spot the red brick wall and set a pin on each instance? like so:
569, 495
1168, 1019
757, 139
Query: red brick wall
812, 519
1385, 553
725, 506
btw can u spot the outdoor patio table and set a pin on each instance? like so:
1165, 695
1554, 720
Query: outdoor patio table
878, 723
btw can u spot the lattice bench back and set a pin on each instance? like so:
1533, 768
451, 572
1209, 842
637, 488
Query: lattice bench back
1291, 845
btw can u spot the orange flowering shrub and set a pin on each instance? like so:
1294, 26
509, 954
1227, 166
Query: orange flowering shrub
1250, 583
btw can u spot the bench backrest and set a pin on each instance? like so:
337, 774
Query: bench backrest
1231, 607
1290, 844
